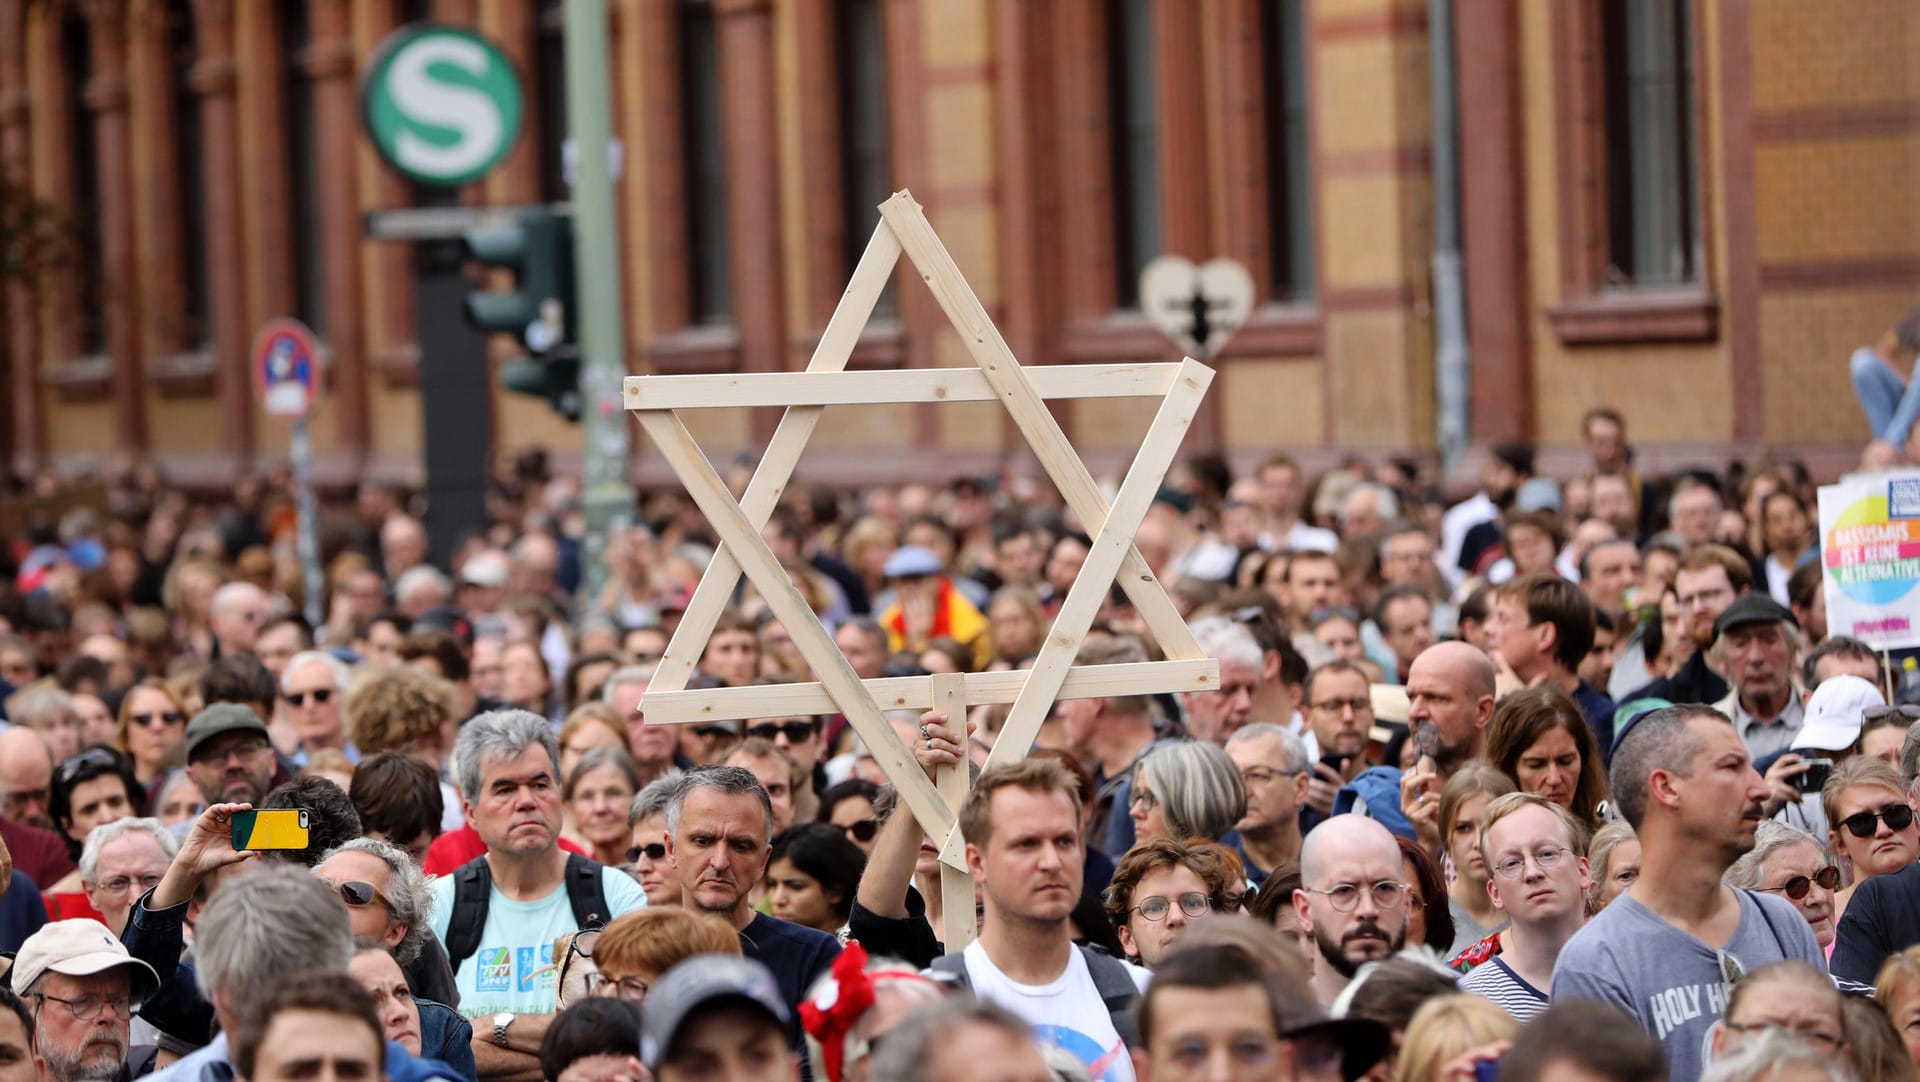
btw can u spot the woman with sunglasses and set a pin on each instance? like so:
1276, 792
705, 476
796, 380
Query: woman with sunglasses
848, 805
1789, 862
152, 731
91, 789
1870, 826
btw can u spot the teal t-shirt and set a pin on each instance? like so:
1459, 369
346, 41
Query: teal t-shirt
514, 968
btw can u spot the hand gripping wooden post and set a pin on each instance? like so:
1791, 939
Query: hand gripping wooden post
997, 376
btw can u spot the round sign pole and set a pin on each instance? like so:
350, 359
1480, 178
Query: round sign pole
286, 364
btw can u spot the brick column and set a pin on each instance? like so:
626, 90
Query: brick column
329, 65
213, 78
749, 110
27, 439
105, 95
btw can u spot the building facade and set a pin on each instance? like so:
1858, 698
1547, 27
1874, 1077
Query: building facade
1690, 210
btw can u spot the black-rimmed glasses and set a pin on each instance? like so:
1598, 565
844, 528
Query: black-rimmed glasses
1863, 824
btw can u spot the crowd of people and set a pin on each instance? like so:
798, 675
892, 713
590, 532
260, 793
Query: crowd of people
1565, 780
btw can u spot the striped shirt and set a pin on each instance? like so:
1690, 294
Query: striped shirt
1496, 981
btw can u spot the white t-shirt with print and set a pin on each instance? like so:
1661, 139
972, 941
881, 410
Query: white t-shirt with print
1067, 1012
513, 969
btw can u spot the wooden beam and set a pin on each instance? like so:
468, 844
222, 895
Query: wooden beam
769, 482
1042, 431
957, 923
915, 692
810, 388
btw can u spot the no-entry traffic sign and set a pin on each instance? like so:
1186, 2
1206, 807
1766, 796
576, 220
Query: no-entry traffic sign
286, 366
442, 104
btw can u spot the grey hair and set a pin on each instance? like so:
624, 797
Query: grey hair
1385, 503
262, 928
1771, 1054
1688, 484
1910, 757
232, 593
731, 780
406, 889
1769, 837
1224, 638
1659, 740
1795, 643
499, 734
593, 759
654, 797
1292, 748
912, 1042
99, 837
1600, 849
36, 706
342, 674
624, 675
1198, 787
413, 578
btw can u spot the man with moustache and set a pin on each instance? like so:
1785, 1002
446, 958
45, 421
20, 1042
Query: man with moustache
80, 982
1352, 898
1668, 950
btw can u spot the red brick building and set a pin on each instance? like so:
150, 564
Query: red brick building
1692, 210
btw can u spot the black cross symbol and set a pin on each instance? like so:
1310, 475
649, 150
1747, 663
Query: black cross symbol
1198, 306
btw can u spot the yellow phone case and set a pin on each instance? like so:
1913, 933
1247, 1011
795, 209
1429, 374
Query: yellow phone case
274, 828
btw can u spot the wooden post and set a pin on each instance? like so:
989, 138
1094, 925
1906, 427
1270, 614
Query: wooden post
957, 923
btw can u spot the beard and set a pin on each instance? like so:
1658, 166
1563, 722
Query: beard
99, 1059
1367, 932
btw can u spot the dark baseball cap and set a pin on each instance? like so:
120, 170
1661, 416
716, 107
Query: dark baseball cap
222, 718
1752, 607
702, 981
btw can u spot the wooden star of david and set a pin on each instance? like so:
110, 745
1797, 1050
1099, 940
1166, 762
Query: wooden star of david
1180, 386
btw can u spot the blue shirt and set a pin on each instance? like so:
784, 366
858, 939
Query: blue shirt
214, 1063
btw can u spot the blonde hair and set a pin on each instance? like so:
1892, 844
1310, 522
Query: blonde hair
1899, 972
1445, 1027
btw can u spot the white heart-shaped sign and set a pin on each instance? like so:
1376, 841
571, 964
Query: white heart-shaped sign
1199, 308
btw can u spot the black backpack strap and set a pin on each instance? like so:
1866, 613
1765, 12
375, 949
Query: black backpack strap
1117, 991
586, 893
472, 893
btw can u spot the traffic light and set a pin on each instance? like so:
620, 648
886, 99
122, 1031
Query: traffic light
539, 311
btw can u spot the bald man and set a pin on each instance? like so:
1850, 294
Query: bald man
239, 608
1449, 703
26, 782
1352, 898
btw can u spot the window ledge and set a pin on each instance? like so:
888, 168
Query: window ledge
882, 344
712, 347
1277, 330
188, 374
1123, 335
82, 379
1613, 318
399, 366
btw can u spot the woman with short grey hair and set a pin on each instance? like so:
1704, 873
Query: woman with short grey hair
1186, 790
1788, 862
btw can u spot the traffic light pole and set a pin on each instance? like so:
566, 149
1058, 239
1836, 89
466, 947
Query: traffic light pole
596, 229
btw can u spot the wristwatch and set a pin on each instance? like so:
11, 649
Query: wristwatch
500, 1023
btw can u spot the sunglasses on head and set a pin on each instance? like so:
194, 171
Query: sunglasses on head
794, 731
862, 830
655, 851
358, 894
319, 695
90, 759
1863, 824
157, 717
1797, 887
1875, 713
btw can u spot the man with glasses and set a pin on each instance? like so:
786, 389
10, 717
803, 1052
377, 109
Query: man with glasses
81, 985
1340, 719
121, 861
798, 738
1158, 889
312, 692
1273, 763
228, 756
1352, 899
1708, 580
1668, 950
1537, 853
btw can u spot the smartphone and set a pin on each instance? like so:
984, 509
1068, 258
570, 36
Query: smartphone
1426, 739
1815, 776
1336, 762
274, 828
1486, 1070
